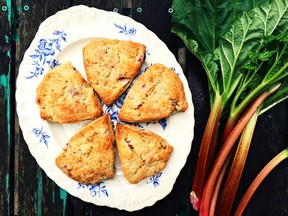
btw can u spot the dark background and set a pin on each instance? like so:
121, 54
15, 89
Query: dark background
24, 187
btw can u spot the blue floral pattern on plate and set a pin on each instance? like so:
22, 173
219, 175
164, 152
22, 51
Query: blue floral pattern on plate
126, 31
95, 189
155, 180
162, 122
44, 53
38, 132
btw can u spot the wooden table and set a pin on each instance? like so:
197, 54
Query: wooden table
26, 190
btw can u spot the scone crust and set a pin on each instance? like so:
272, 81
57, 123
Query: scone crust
156, 94
111, 65
142, 153
88, 157
64, 96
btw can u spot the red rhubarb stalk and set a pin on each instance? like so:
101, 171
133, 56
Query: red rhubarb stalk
226, 199
218, 185
226, 148
206, 152
258, 180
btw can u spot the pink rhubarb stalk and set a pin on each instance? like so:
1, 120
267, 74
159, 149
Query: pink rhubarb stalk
258, 180
218, 185
226, 148
206, 152
226, 199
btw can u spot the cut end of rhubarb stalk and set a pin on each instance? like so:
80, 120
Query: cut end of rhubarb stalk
194, 201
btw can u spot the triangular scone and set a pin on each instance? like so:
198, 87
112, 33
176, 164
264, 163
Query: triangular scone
111, 65
89, 155
156, 94
64, 96
142, 153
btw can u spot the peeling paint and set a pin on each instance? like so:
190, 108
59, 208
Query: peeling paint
8, 192
16, 37
5, 79
9, 6
7, 39
5, 82
63, 197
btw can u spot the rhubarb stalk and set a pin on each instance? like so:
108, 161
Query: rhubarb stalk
243, 52
218, 185
226, 148
206, 152
226, 199
258, 180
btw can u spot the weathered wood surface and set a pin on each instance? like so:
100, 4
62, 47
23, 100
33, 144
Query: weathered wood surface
6, 110
26, 190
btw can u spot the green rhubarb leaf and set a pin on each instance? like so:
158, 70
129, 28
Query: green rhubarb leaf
201, 24
276, 23
280, 61
206, 21
245, 35
268, 65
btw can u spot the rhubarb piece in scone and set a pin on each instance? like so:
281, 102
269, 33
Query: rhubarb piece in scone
64, 96
88, 157
156, 94
111, 65
142, 153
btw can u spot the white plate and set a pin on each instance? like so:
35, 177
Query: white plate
60, 38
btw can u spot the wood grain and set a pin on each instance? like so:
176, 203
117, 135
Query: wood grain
6, 108
26, 189
36, 194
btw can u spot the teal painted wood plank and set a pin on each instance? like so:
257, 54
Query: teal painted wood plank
6, 120
63, 197
36, 193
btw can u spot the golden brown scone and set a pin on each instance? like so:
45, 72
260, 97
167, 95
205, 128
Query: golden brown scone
88, 157
142, 153
64, 96
111, 65
156, 94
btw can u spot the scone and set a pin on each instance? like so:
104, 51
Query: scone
88, 157
111, 65
156, 94
64, 96
142, 153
